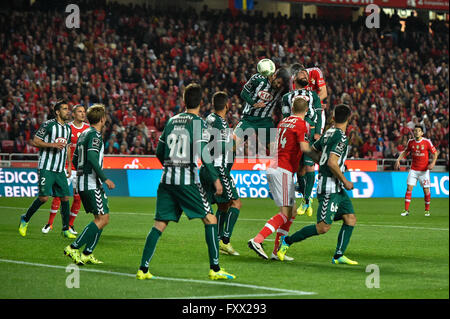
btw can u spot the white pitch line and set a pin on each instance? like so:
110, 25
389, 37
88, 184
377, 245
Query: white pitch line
262, 220
232, 284
235, 296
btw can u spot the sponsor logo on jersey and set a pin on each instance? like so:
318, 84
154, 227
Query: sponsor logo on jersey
61, 140
265, 96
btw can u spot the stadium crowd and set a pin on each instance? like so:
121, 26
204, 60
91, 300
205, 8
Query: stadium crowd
137, 60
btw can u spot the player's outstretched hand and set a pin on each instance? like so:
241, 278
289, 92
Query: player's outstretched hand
219, 188
110, 184
348, 185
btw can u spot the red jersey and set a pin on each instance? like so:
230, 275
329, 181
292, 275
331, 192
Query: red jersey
290, 132
316, 80
76, 131
419, 153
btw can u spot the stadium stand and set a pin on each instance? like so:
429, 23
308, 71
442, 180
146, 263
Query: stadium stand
137, 59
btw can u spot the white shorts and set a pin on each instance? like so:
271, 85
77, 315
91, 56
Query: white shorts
72, 179
282, 186
422, 176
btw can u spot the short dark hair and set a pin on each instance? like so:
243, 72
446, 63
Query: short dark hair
341, 113
219, 100
192, 95
418, 126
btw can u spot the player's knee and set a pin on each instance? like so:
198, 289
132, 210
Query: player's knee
322, 228
236, 203
210, 219
350, 219
65, 199
43, 199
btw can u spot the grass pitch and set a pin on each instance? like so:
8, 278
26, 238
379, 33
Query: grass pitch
411, 254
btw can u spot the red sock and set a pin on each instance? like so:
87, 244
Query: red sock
271, 226
407, 199
427, 201
56, 202
75, 208
282, 231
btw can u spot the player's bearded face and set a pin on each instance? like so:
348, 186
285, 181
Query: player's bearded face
303, 78
64, 112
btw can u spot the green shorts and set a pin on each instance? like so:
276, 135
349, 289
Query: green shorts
249, 125
306, 160
229, 188
95, 201
53, 184
333, 206
172, 200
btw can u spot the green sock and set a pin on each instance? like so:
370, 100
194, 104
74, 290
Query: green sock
305, 232
65, 214
90, 245
87, 236
213, 246
150, 246
32, 209
221, 218
309, 185
343, 239
233, 214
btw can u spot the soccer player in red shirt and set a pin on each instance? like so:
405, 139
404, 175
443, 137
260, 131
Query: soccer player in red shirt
291, 143
419, 148
78, 126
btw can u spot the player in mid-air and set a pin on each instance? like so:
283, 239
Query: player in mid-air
306, 173
182, 143
291, 142
262, 96
52, 139
334, 202
78, 125
419, 148
228, 204
88, 161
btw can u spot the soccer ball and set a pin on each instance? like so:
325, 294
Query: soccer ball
266, 67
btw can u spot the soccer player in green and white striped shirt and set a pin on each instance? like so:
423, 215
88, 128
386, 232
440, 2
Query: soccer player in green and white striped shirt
181, 145
306, 174
52, 139
228, 204
334, 202
88, 161
262, 96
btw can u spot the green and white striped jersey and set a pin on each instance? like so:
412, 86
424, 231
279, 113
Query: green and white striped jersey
333, 141
53, 159
221, 141
88, 160
313, 115
258, 89
180, 148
